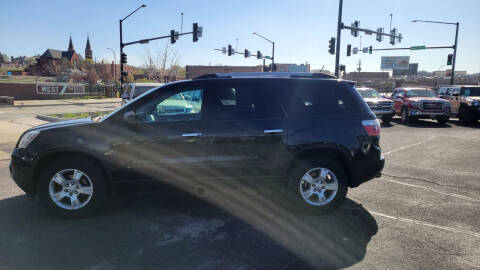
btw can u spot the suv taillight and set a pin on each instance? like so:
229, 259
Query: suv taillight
372, 127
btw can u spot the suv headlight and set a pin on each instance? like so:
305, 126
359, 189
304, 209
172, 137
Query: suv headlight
475, 102
27, 138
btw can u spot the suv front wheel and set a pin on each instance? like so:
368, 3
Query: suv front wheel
71, 187
320, 184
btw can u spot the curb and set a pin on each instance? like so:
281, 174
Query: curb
49, 118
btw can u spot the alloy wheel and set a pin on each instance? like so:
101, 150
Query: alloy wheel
318, 186
70, 189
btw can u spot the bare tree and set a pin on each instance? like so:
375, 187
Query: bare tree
162, 67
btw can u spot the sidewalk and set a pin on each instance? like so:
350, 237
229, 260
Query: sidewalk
59, 102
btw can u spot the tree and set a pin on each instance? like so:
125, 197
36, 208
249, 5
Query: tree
163, 66
92, 76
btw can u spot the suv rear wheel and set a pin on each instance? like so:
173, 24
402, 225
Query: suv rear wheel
71, 187
320, 184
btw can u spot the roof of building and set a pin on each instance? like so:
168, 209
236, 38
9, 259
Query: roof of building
51, 53
88, 44
70, 45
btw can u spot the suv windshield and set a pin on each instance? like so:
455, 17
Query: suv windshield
420, 93
470, 91
139, 90
369, 93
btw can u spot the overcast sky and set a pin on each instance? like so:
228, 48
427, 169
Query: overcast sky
301, 29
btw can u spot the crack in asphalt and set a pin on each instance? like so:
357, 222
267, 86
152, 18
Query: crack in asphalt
423, 180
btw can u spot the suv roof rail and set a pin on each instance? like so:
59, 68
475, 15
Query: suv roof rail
266, 75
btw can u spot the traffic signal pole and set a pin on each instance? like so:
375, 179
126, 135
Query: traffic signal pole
339, 32
121, 53
452, 78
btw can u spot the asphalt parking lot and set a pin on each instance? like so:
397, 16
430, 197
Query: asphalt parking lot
423, 213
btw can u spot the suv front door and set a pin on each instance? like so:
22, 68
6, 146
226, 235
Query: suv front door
246, 129
165, 140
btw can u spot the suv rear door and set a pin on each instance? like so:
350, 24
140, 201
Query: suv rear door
246, 128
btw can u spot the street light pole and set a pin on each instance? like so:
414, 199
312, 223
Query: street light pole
273, 49
122, 45
457, 24
114, 63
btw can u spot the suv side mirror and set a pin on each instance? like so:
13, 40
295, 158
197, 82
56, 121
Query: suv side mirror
129, 116
124, 96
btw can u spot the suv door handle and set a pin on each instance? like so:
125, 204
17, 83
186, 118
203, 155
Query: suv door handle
194, 134
269, 131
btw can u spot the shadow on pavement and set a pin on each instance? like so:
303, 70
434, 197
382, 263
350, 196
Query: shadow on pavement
457, 123
168, 229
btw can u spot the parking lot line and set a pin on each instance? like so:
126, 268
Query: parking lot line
408, 146
433, 190
418, 222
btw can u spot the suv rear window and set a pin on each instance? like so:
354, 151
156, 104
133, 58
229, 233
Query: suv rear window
314, 98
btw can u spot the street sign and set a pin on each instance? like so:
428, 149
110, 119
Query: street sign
422, 47
267, 57
224, 50
355, 50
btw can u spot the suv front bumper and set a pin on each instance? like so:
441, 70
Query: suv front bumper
21, 169
384, 113
416, 113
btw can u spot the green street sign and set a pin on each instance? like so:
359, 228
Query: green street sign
267, 57
418, 47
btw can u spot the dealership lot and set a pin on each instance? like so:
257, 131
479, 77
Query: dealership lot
424, 210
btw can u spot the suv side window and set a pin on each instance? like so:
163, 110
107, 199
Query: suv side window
313, 98
173, 106
242, 100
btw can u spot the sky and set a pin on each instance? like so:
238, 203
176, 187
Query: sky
301, 29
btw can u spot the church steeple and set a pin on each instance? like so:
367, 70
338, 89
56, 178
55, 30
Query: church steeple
70, 45
88, 49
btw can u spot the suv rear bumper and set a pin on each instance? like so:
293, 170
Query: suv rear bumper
366, 170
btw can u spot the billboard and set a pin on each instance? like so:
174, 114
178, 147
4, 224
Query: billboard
395, 62
60, 89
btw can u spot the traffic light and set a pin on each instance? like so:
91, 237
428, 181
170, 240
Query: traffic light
370, 50
349, 50
379, 34
450, 59
246, 53
230, 50
393, 33
331, 46
172, 36
123, 58
259, 55
197, 32
356, 24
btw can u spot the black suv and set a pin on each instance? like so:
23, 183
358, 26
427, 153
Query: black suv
313, 132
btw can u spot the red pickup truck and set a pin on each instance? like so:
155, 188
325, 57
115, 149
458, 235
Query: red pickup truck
420, 103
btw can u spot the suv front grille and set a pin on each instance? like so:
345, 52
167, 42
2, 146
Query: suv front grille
380, 106
431, 105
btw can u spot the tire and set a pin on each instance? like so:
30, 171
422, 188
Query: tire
86, 196
442, 120
332, 198
386, 120
465, 117
404, 115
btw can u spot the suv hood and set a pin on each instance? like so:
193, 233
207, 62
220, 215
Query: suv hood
66, 123
375, 100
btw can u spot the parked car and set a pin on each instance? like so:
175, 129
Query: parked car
464, 103
420, 103
314, 133
133, 90
382, 107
